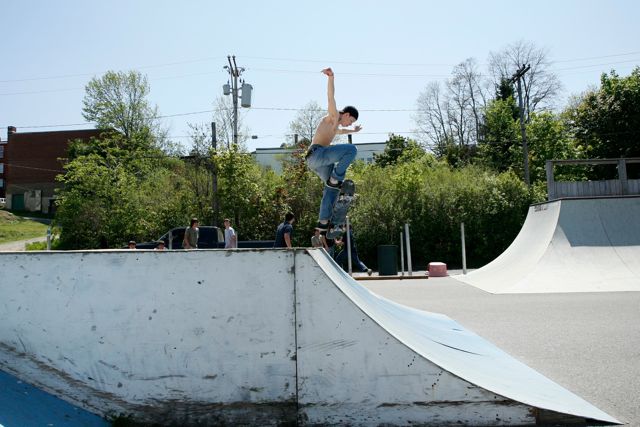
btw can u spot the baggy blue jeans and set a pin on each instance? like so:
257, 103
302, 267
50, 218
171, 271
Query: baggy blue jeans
330, 162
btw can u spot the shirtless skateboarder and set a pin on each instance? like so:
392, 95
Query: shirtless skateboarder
330, 162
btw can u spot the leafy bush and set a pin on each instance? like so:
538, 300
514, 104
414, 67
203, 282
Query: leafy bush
434, 199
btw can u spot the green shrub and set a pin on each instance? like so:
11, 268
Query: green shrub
434, 199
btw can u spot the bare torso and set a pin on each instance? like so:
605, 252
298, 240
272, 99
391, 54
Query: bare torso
326, 131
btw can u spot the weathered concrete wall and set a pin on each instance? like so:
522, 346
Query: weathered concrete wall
160, 334
253, 337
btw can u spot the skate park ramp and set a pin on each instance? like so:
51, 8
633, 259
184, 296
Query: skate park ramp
569, 245
253, 337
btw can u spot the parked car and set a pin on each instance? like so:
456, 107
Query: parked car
210, 237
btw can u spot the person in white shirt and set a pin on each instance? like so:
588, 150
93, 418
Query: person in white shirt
230, 238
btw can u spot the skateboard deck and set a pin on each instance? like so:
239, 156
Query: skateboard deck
338, 221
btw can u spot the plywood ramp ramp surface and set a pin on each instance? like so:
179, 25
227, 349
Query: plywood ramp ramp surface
254, 337
569, 245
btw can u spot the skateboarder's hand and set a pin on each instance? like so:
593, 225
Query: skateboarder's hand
357, 128
328, 72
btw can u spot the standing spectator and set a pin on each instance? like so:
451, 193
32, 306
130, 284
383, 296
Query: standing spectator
159, 245
318, 240
132, 244
284, 233
336, 248
191, 235
230, 238
342, 258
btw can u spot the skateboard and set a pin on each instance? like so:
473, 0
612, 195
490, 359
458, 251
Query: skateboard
338, 221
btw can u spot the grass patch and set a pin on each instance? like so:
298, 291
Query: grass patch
42, 246
14, 228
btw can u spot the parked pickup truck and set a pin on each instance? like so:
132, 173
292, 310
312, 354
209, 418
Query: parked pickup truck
209, 237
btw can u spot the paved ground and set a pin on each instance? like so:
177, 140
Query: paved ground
20, 244
586, 342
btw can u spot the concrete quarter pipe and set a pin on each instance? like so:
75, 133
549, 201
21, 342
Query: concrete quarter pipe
253, 337
569, 245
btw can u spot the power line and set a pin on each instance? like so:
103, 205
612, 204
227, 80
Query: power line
597, 57
433, 76
324, 61
50, 126
351, 74
13, 165
595, 65
41, 91
64, 76
190, 113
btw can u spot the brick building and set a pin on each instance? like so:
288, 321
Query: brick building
31, 161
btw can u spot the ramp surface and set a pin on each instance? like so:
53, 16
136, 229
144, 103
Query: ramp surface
252, 337
569, 245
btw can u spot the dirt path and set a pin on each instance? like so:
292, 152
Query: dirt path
20, 244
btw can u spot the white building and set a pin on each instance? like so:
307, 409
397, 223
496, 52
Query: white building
272, 157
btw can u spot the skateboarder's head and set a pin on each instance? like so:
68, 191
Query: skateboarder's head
348, 115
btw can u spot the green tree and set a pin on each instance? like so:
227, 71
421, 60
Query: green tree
198, 172
107, 200
500, 135
398, 149
606, 121
247, 193
120, 186
549, 138
300, 192
119, 101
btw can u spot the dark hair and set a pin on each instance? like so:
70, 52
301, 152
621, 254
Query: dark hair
353, 112
193, 221
289, 216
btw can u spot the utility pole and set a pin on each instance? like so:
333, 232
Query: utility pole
214, 176
517, 77
231, 88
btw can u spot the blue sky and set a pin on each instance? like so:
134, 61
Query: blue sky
383, 55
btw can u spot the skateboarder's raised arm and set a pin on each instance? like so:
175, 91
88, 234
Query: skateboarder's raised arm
331, 92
